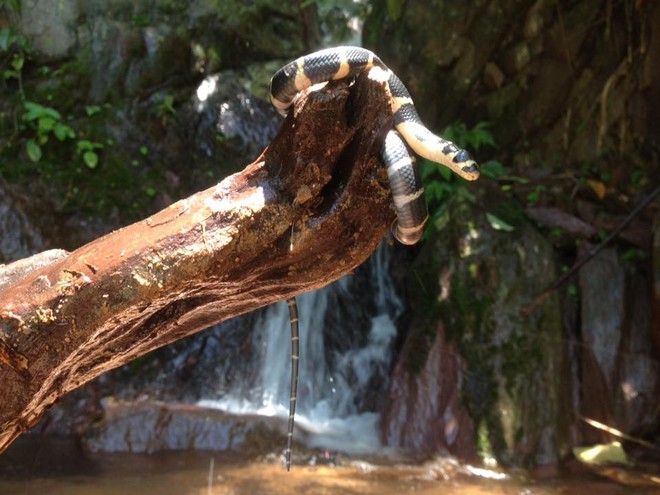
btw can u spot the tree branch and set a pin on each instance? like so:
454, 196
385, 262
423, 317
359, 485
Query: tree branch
309, 210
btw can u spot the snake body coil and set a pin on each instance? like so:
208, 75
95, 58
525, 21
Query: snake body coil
408, 193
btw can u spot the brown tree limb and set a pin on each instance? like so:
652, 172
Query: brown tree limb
309, 210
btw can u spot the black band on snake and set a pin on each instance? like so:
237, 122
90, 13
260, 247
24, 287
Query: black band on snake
405, 182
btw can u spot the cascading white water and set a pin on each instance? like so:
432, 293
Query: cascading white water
331, 381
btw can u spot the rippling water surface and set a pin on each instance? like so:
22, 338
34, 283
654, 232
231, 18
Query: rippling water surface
36, 467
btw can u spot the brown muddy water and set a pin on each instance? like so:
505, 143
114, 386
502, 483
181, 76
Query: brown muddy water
59, 467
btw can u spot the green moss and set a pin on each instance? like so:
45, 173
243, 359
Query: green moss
506, 355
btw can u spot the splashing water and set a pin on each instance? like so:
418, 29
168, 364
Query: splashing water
346, 351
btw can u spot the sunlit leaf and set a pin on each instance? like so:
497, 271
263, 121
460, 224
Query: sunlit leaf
598, 187
17, 62
63, 131
499, 224
602, 454
395, 9
46, 124
92, 110
36, 111
84, 145
33, 150
91, 159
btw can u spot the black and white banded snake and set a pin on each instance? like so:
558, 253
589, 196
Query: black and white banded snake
405, 182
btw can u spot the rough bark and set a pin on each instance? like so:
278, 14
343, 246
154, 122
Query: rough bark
309, 210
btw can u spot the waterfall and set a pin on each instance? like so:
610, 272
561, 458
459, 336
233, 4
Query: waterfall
347, 332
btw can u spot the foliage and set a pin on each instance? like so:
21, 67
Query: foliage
395, 9
10, 5
14, 49
45, 122
440, 183
59, 147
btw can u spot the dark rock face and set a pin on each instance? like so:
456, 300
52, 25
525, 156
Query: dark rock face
148, 427
557, 86
507, 369
619, 369
425, 415
19, 238
477, 371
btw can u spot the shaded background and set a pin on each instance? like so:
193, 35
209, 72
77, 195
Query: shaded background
111, 110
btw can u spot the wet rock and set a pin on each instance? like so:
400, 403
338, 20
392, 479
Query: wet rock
19, 238
620, 372
602, 292
149, 427
228, 119
508, 368
425, 413
50, 25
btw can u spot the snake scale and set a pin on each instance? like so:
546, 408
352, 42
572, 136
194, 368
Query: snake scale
405, 182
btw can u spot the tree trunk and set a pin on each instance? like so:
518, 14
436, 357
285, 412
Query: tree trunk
309, 210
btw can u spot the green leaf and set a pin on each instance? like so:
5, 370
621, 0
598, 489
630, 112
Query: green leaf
33, 150
602, 454
35, 111
45, 124
498, 224
17, 62
435, 191
395, 9
480, 134
144, 150
91, 159
63, 131
85, 145
493, 169
92, 110
445, 172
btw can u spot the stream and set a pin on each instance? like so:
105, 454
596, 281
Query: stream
58, 467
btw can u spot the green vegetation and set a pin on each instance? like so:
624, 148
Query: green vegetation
441, 184
63, 149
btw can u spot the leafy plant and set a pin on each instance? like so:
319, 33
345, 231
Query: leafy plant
88, 151
16, 49
46, 122
10, 5
473, 139
165, 109
440, 183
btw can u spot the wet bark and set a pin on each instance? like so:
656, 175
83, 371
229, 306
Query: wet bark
309, 210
